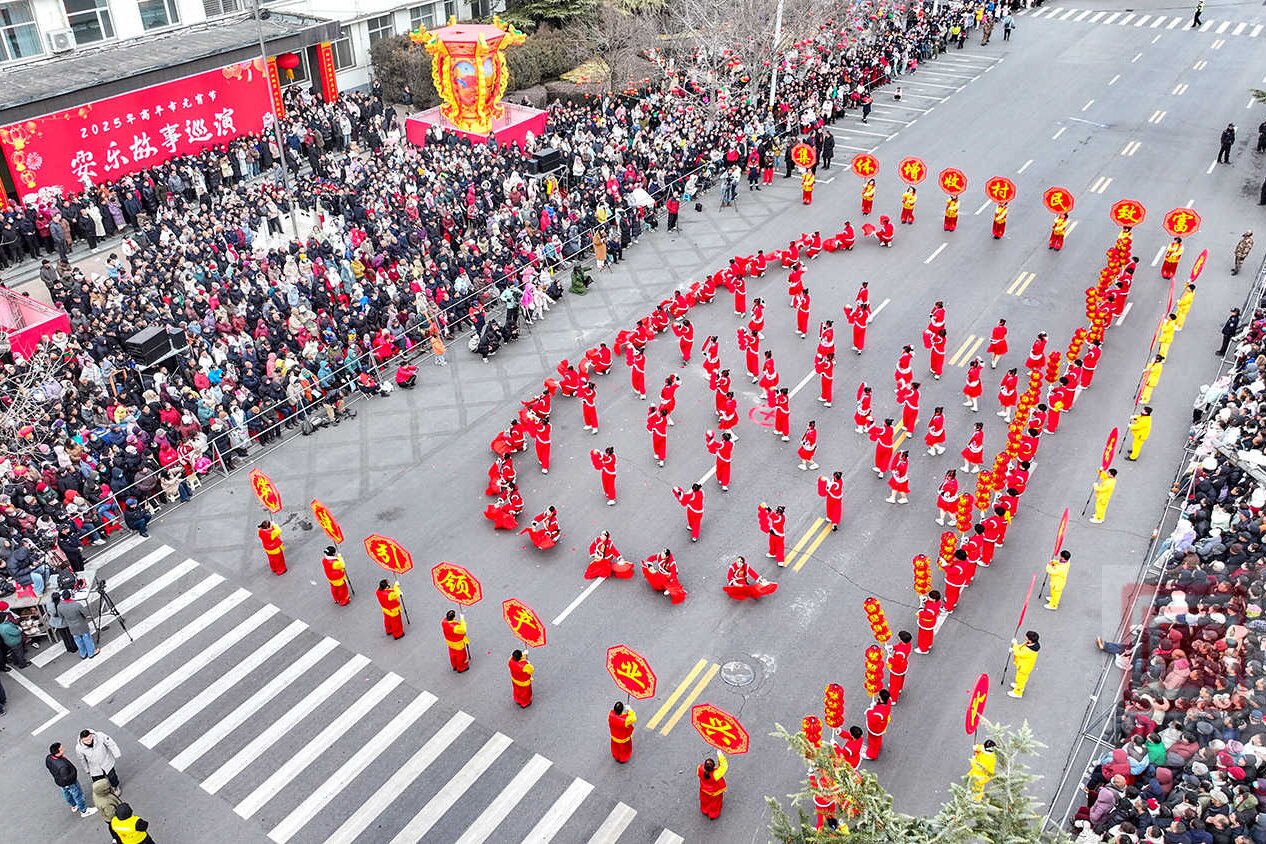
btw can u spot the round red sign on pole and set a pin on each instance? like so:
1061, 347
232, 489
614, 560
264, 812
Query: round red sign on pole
804, 155
976, 705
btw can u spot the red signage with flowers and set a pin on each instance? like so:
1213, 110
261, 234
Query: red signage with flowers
109, 138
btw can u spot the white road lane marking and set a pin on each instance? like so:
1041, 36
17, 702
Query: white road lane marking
1062, 130
929, 259
1212, 167
982, 208
1125, 312
1024, 166
1087, 105
487, 822
44, 697
562, 616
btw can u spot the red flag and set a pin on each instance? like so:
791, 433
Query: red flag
976, 704
1024, 609
1110, 449
1059, 536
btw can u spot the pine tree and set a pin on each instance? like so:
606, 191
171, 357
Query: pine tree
1006, 815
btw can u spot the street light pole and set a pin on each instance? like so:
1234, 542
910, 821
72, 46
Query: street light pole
277, 136
773, 77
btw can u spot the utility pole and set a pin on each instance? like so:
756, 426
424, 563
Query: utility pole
260, 16
773, 76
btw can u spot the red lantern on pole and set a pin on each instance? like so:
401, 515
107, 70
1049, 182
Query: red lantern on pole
833, 705
963, 515
923, 574
874, 670
877, 620
812, 728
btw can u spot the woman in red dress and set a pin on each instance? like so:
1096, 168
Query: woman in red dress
712, 785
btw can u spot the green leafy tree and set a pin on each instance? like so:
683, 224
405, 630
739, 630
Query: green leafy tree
1007, 814
397, 62
531, 13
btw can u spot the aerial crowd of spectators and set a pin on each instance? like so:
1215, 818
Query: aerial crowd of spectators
1191, 764
412, 246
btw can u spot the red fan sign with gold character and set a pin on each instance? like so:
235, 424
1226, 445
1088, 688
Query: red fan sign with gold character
523, 622
631, 672
327, 522
953, 181
456, 583
912, 170
976, 705
1000, 189
865, 165
388, 553
1110, 449
265, 490
1182, 222
804, 155
1058, 200
1127, 212
1197, 266
719, 728
1059, 535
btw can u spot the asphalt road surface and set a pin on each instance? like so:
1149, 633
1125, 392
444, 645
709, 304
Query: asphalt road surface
250, 707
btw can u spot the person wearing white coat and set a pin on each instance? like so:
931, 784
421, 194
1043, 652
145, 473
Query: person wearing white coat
98, 753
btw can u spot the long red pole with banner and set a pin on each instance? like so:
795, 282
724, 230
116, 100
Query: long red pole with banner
1059, 544
1105, 462
1019, 623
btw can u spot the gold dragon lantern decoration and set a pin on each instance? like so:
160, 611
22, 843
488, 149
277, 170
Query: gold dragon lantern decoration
468, 66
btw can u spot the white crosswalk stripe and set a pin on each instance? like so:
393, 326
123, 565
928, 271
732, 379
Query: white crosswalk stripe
307, 739
1076, 15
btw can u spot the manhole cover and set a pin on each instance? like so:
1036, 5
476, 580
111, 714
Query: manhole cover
737, 673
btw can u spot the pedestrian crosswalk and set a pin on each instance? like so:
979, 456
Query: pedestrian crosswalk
932, 84
307, 738
1144, 21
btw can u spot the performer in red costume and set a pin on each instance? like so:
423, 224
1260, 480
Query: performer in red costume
743, 582
604, 461
693, 502
927, 617
832, 489
605, 560
997, 343
878, 715
660, 571
723, 449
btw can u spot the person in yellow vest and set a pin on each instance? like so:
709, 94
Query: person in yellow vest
1024, 657
1000, 221
1059, 230
454, 627
1151, 377
806, 187
1173, 254
984, 761
868, 197
951, 213
1057, 577
908, 199
1184, 304
1104, 487
127, 828
1168, 326
1140, 430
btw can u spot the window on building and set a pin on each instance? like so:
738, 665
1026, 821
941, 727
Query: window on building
383, 26
19, 36
480, 9
90, 20
156, 14
426, 15
344, 55
220, 8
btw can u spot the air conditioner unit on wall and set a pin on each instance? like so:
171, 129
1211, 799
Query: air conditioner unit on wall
61, 40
